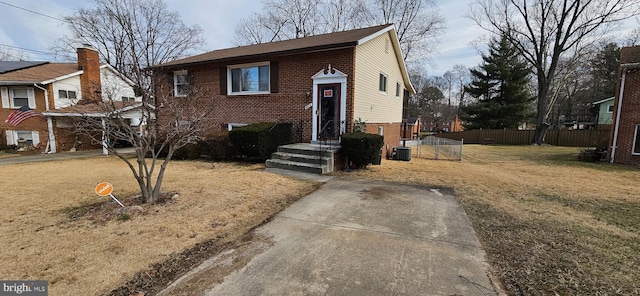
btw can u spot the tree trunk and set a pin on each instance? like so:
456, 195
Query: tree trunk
541, 118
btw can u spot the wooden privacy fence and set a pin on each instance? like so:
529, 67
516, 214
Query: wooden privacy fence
570, 138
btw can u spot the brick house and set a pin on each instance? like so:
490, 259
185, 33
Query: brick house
51, 89
322, 84
625, 134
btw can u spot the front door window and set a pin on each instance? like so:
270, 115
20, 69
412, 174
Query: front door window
329, 111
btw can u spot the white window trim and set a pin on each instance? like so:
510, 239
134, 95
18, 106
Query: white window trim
12, 137
7, 97
175, 82
635, 136
231, 126
386, 83
249, 65
610, 109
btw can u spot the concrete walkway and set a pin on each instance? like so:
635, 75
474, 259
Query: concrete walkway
58, 156
355, 237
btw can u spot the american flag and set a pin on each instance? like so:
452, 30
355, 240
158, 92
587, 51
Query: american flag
16, 117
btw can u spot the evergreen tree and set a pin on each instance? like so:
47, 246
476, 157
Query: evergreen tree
500, 87
604, 72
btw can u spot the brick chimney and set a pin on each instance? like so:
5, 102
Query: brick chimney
89, 62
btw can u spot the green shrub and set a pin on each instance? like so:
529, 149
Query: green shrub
258, 141
215, 147
4, 147
361, 149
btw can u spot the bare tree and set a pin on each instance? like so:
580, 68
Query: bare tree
543, 31
155, 138
131, 35
9, 55
417, 22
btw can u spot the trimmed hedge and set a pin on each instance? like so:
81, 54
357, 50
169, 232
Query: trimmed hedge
217, 147
361, 149
258, 141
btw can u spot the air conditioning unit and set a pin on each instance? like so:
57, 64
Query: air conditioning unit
401, 153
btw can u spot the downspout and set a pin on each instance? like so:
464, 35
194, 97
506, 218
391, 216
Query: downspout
615, 130
52, 137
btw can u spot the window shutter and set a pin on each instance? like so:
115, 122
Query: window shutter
171, 83
273, 79
35, 136
32, 97
10, 138
4, 92
223, 80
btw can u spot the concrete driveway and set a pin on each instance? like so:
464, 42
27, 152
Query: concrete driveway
355, 237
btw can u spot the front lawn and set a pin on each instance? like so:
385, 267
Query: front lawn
54, 227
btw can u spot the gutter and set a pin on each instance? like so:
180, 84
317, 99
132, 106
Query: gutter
617, 127
52, 137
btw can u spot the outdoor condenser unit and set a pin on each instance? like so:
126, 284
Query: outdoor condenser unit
401, 153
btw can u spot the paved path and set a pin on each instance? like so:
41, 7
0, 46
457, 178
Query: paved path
355, 237
58, 156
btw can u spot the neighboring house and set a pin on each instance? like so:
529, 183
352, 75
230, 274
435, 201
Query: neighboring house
605, 113
413, 129
625, 135
37, 99
321, 84
443, 125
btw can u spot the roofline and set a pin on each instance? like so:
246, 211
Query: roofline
602, 101
125, 78
10, 83
63, 77
27, 67
77, 114
376, 34
398, 51
324, 47
630, 65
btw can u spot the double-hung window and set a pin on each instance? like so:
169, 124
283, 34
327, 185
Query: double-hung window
180, 83
128, 99
67, 94
16, 97
249, 78
382, 85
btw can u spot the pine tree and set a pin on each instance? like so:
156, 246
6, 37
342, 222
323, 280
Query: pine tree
500, 87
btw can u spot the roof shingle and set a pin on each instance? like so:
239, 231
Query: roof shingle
306, 44
39, 73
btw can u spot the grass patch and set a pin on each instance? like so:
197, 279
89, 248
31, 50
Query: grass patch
549, 223
54, 227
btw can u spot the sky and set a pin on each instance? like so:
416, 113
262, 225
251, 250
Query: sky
37, 30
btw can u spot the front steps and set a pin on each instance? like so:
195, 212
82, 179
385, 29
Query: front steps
304, 157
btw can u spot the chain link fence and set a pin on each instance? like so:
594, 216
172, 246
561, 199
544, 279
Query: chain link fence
436, 148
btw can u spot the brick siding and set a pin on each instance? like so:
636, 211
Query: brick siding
629, 118
287, 105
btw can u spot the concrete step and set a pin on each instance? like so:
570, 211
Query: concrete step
309, 149
296, 166
304, 158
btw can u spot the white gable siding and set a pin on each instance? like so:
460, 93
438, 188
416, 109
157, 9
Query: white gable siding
372, 58
69, 84
114, 87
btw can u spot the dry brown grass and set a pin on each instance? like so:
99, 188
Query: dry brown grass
549, 223
40, 240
